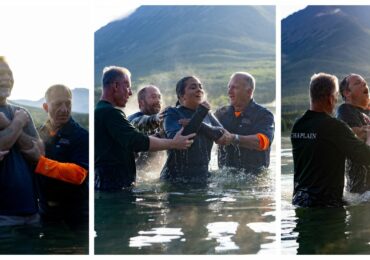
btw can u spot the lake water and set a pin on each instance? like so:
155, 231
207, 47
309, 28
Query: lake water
50, 239
232, 214
325, 230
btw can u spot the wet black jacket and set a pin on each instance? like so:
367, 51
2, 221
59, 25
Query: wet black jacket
320, 145
191, 164
358, 176
60, 199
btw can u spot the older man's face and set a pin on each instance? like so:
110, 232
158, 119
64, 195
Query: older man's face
152, 103
59, 107
6, 80
239, 92
122, 91
358, 94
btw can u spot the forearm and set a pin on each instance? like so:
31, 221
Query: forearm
249, 142
196, 120
24, 141
146, 122
158, 144
66, 172
212, 132
10, 134
360, 132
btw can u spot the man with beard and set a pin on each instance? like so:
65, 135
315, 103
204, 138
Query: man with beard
149, 121
354, 111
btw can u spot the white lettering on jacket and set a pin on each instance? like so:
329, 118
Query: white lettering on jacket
304, 135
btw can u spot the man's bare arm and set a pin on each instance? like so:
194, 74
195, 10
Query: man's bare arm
12, 130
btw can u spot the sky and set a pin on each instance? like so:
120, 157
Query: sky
45, 43
51, 42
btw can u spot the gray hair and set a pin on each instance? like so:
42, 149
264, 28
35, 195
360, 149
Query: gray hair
112, 73
248, 78
322, 85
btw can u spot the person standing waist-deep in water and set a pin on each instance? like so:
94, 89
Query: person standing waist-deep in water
354, 111
321, 143
191, 164
149, 121
117, 140
252, 127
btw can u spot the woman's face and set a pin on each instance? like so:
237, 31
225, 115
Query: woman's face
194, 93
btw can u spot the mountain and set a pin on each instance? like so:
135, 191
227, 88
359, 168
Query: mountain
332, 39
161, 44
80, 101
39, 116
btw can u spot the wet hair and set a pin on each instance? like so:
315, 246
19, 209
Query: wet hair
344, 85
112, 73
180, 86
322, 85
248, 78
54, 88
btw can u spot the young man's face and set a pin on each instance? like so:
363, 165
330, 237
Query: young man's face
6, 80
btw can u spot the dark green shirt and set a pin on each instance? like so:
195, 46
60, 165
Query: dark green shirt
320, 145
116, 141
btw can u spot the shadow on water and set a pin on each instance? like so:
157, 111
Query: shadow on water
231, 214
322, 230
50, 239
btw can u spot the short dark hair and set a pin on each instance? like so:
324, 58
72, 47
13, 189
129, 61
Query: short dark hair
344, 85
180, 86
56, 87
322, 85
112, 73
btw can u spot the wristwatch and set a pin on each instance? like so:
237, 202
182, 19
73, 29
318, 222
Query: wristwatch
236, 140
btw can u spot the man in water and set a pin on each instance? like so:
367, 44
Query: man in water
18, 204
67, 152
354, 111
320, 145
148, 121
116, 139
251, 125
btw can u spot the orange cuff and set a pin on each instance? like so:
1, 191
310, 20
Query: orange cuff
67, 172
264, 141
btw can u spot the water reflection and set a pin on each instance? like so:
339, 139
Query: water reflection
162, 218
322, 230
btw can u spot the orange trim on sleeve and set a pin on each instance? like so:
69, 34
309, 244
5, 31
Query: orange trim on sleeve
264, 141
67, 172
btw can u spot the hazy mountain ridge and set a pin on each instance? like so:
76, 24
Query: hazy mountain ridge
80, 101
333, 39
161, 44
